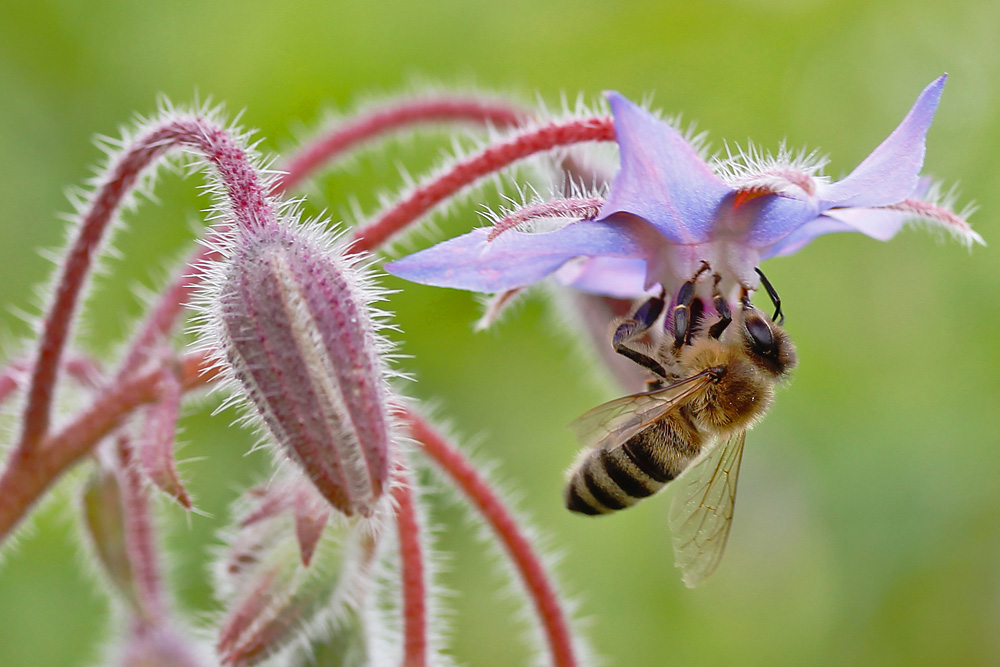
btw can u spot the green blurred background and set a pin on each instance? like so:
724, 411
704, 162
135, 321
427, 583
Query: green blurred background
868, 528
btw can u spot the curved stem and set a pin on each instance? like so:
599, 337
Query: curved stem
249, 205
411, 555
84, 370
366, 127
29, 473
488, 161
543, 594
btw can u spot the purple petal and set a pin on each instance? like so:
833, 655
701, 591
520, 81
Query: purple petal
764, 220
516, 259
878, 223
662, 178
623, 278
804, 235
892, 170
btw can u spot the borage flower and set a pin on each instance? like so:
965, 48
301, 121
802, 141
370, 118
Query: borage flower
669, 212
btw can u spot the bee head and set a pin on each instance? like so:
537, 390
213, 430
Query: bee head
767, 344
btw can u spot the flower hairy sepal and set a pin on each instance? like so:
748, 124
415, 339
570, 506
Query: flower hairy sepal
290, 318
272, 597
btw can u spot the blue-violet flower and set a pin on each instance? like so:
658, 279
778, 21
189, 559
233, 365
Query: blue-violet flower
669, 211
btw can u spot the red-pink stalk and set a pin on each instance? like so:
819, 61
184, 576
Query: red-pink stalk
566, 208
248, 202
488, 161
82, 369
505, 526
411, 555
382, 121
29, 474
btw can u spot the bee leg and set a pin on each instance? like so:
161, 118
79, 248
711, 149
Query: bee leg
688, 309
779, 317
722, 307
640, 322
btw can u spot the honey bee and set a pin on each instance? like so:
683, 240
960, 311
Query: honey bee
711, 384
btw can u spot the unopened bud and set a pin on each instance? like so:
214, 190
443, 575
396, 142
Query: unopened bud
296, 325
104, 524
293, 496
272, 595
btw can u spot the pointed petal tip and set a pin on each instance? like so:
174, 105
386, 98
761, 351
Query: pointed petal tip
932, 90
613, 96
621, 105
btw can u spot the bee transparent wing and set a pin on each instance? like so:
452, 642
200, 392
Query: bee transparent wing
611, 424
702, 511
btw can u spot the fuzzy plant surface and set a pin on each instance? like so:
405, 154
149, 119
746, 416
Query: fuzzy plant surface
329, 560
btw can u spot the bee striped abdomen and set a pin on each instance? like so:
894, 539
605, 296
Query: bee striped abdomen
607, 481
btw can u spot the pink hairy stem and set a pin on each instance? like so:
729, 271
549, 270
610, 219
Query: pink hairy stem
381, 121
82, 369
29, 473
248, 202
491, 159
541, 591
412, 558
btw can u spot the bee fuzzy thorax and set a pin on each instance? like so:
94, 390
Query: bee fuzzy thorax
739, 395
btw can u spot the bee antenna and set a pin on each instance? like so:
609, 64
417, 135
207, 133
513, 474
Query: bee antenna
779, 317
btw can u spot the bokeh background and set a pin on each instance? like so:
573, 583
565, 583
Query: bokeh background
868, 527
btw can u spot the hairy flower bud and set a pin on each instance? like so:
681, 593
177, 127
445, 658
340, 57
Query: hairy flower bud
292, 316
272, 594
104, 526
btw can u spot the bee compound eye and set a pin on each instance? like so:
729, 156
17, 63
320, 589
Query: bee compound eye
761, 336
